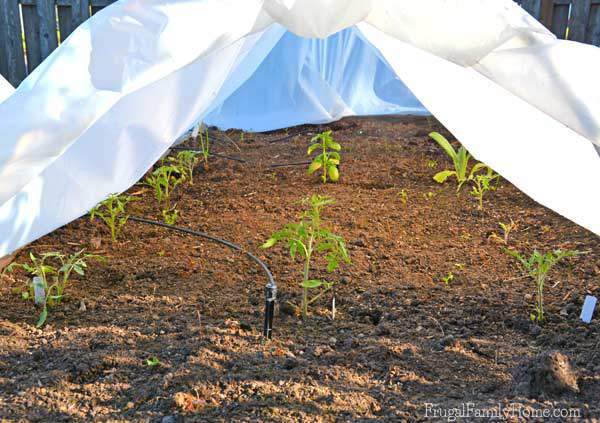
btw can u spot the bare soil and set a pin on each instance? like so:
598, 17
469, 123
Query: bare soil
401, 338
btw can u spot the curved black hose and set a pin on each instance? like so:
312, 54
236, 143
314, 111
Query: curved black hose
271, 288
239, 160
287, 137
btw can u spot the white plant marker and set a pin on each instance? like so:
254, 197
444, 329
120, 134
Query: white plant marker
588, 308
39, 293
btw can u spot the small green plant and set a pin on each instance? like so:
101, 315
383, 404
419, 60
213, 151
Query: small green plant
428, 195
113, 213
203, 142
537, 267
170, 216
459, 158
308, 238
507, 228
449, 278
52, 279
328, 159
164, 180
187, 162
432, 164
152, 362
482, 184
403, 196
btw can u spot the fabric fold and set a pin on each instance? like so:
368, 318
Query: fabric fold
97, 113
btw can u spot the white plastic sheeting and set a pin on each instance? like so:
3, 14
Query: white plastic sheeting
5, 89
323, 81
106, 105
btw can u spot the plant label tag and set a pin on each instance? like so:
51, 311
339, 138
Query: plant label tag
588, 308
39, 294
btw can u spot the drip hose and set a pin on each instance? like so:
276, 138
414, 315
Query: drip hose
270, 289
287, 137
239, 160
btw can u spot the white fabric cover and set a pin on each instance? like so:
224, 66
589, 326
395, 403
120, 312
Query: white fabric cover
5, 89
113, 97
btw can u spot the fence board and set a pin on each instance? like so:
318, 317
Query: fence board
12, 57
560, 20
65, 22
48, 37
80, 12
579, 19
593, 36
533, 7
32, 36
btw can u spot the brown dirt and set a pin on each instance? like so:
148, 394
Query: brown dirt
401, 338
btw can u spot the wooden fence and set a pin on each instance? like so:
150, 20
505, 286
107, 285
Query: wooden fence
576, 20
31, 29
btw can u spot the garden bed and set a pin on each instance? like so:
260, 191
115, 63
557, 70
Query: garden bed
401, 338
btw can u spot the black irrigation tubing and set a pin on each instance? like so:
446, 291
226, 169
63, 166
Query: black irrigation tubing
270, 289
287, 137
290, 164
239, 160
222, 156
235, 159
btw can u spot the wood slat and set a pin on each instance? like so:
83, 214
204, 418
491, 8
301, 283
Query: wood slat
12, 58
546, 12
593, 33
579, 20
32, 36
560, 20
65, 22
101, 3
96, 9
533, 7
80, 12
3, 61
48, 36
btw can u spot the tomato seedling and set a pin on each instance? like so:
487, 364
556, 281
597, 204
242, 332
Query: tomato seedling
309, 238
187, 162
53, 279
481, 185
113, 213
537, 267
328, 159
203, 143
164, 180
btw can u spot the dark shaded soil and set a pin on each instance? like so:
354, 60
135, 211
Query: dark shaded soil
401, 337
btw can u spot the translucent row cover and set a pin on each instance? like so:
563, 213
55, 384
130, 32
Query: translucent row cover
106, 105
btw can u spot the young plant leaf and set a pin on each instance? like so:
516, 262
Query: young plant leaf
311, 284
442, 176
443, 142
270, 242
314, 166
43, 317
334, 174
313, 148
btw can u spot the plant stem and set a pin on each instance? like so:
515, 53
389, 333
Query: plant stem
540, 299
324, 162
305, 290
113, 230
306, 273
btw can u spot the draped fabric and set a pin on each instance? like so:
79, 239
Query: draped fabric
107, 104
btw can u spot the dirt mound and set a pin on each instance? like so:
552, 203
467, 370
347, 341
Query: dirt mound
549, 374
